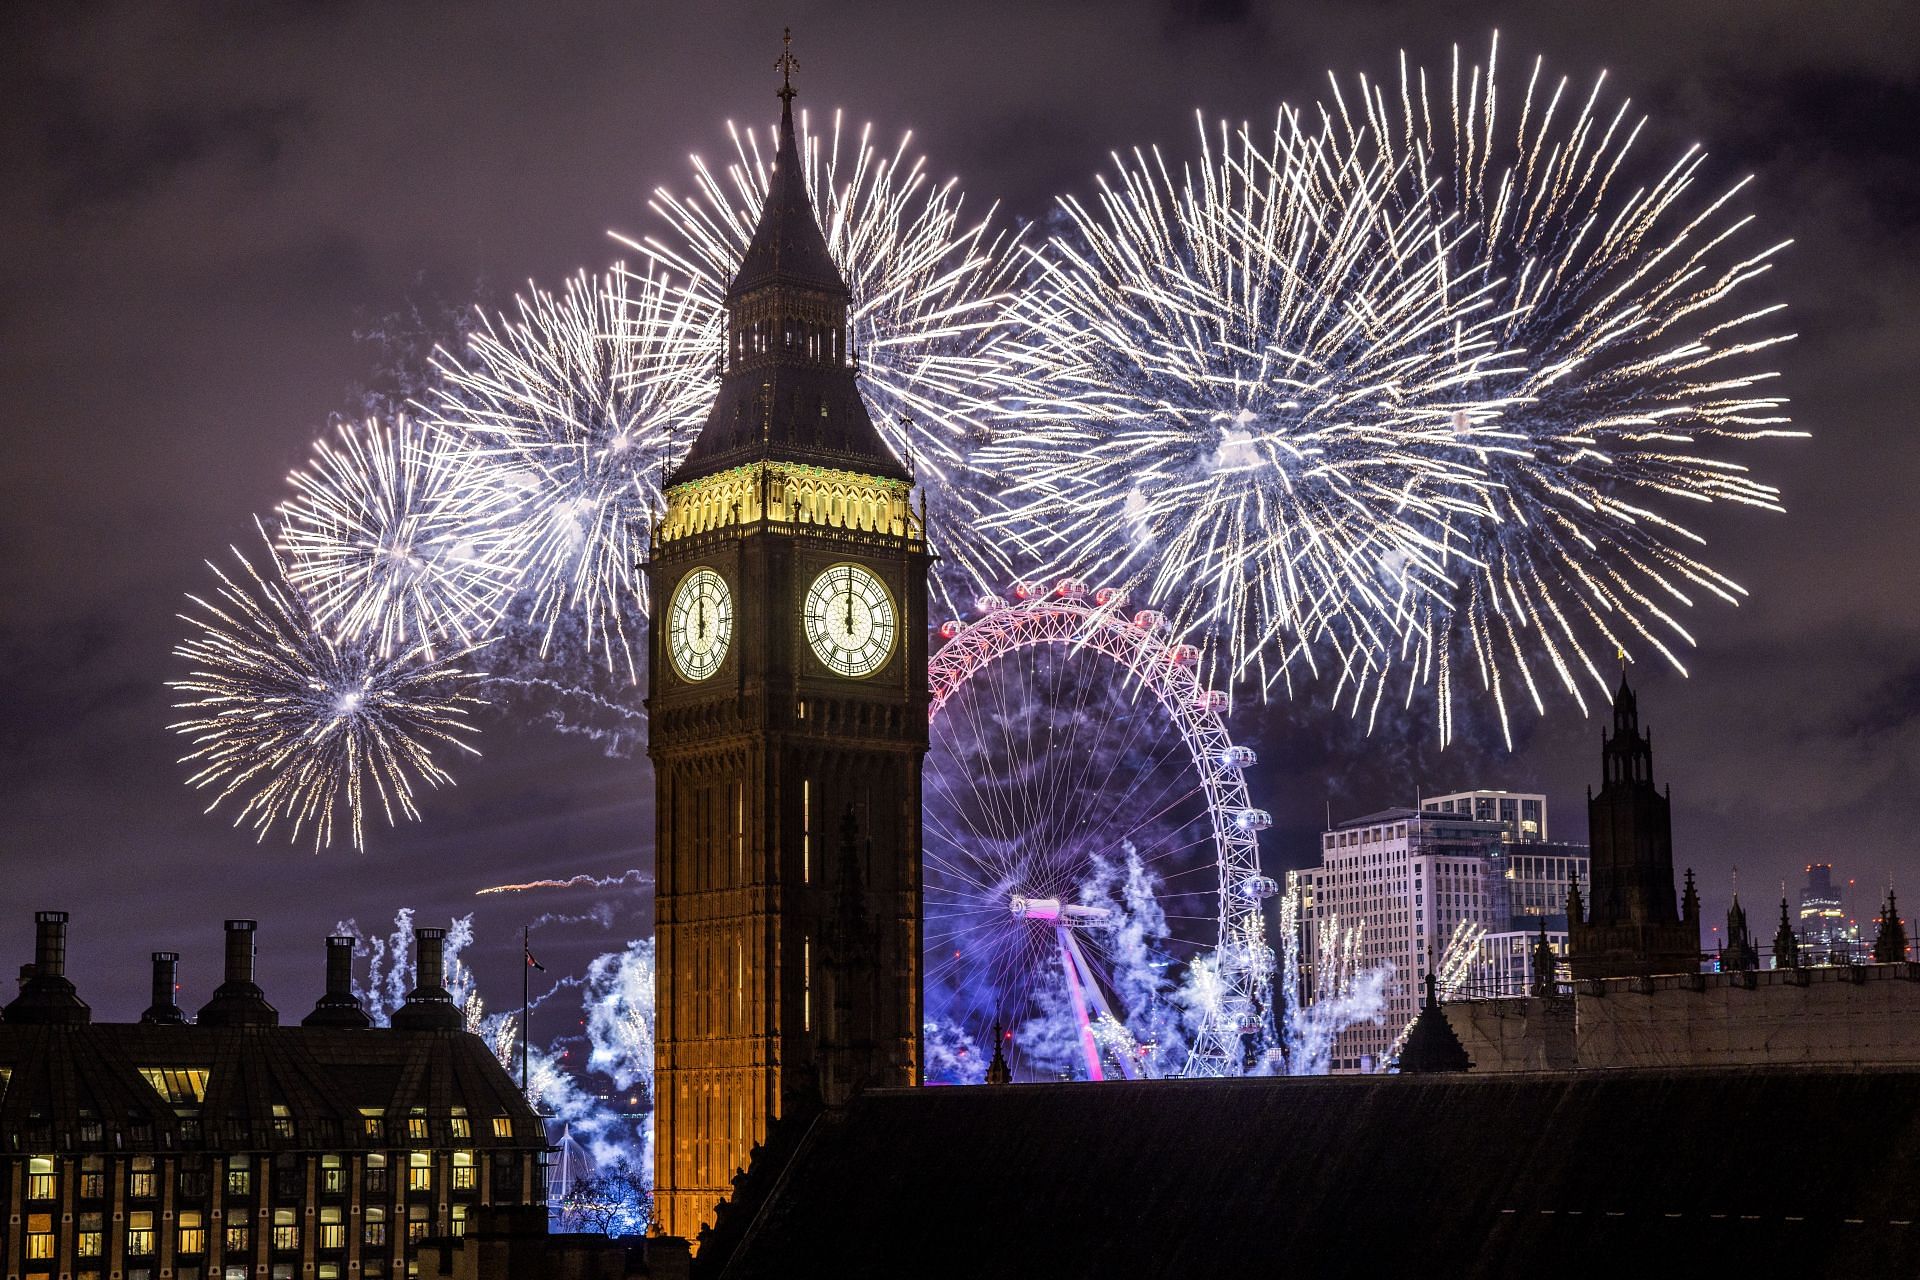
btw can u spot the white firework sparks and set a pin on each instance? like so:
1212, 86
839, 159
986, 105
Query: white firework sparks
397, 540
304, 728
929, 285
1394, 382
576, 405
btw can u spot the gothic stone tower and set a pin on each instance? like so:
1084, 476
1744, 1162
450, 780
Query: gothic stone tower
1631, 926
787, 696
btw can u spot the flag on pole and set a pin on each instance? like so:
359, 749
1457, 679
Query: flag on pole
531, 962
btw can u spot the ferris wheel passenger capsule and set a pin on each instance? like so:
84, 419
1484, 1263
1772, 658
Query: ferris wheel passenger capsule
1251, 819
1070, 589
1151, 621
989, 604
1029, 590
1237, 757
1184, 655
1254, 888
951, 628
1110, 597
1211, 700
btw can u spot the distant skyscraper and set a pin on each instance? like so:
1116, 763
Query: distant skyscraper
1826, 935
1629, 924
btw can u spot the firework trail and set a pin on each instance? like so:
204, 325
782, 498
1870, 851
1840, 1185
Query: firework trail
1421, 373
929, 284
302, 727
576, 405
1449, 976
571, 882
1345, 992
393, 537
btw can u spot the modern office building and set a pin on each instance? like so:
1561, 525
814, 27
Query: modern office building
1402, 880
1535, 876
234, 1148
1522, 813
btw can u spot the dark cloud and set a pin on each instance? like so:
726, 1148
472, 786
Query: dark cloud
212, 213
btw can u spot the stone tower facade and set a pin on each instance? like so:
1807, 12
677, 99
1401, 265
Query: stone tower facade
787, 698
1629, 925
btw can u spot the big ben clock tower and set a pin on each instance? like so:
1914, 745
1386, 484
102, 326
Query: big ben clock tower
787, 700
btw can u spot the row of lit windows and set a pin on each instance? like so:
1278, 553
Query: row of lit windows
237, 1238
143, 1178
1365, 835
372, 1270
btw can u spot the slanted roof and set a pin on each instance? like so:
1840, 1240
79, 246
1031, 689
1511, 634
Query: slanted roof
1614, 1173
787, 244
61, 1079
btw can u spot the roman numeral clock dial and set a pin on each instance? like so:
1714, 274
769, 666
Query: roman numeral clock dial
850, 620
699, 624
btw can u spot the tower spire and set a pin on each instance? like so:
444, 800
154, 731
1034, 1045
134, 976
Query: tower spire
788, 390
786, 64
1786, 947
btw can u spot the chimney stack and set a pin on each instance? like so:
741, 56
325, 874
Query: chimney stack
339, 1007
45, 995
163, 1011
50, 943
429, 1005
238, 1002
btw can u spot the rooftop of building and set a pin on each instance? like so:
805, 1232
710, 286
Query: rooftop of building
1620, 1172
1401, 813
237, 1079
99, 1086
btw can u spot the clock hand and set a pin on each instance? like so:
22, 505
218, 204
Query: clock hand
849, 605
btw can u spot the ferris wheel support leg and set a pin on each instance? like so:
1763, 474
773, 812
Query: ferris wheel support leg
1097, 995
1089, 1047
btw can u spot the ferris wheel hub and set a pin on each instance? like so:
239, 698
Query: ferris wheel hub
1053, 911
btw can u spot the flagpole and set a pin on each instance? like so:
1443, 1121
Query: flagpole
526, 971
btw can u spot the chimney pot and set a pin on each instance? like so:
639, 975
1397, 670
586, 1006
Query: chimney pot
339, 966
238, 1002
240, 950
45, 994
339, 1007
50, 944
166, 965
429, 1005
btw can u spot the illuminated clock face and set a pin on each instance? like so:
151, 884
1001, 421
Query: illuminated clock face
699, 624
849, 620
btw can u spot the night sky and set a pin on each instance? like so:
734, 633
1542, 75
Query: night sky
203, 207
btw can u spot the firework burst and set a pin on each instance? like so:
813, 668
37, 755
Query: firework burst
1395, 382
575, 406
929, 284
301, 727
397, 540
1637, 365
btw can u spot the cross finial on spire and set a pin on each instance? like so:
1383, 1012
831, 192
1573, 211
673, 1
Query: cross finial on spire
786, 65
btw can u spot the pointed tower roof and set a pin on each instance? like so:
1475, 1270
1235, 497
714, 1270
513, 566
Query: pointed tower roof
1890, 943
787, 245
1626, 706
1432, 1045
788, 390
998, 1072
1786, 947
